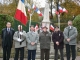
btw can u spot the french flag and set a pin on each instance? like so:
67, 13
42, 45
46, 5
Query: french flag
64, 10
51, 28
20, 14
57, 12
38, 11
33, 6
29, 10
36, 27
60, 9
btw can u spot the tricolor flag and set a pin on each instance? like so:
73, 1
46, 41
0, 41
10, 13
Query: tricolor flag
64, 10
29, 10
57, 12
38, 11
20, 14
60, 9
51, 28
36, 27
33, 6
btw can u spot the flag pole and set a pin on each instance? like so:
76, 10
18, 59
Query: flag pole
30, 20
59, 20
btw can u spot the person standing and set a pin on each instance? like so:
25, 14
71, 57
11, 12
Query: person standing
58, 40
70, 34
32, 40
20, 42
45, 39
7, 40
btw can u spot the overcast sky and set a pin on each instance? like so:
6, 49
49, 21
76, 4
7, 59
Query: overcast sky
40, 3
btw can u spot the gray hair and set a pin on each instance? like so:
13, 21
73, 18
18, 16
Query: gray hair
20, 26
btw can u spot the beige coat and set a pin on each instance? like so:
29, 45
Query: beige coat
23, 38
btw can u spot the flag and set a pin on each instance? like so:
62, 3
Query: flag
57, 12
20, 14
36, 27
33, 6
60, 9
51, 28
29, 10
64, 10
38, 11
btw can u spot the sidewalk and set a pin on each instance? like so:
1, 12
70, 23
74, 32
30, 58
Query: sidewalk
77, 58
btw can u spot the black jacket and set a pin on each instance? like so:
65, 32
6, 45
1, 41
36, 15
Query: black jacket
4, 36
58, 36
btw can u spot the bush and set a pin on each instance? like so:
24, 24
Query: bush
76, 23
4, 19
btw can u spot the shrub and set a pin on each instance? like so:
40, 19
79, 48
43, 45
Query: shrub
4, 19
76, 23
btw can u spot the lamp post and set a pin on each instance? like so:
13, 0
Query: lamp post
58, 15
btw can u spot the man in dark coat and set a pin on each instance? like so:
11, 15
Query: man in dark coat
57, 39
45, 39
7, 40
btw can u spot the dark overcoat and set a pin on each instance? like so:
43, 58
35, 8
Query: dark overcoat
58, 36
7, 40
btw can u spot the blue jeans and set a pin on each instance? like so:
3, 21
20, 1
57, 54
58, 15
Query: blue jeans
31, 54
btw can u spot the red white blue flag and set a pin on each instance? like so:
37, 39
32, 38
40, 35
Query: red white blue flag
29, 10
60, 9
64, 10
33, 6
20, 14
51, 28
38, 11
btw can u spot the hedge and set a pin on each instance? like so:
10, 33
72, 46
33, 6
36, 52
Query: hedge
4, 19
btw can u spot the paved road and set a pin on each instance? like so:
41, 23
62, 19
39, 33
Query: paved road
77, 58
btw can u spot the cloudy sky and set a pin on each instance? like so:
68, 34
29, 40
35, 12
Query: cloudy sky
40, 3
0, 1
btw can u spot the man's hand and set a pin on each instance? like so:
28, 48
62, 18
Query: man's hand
19, 40
68, 40
32, 43
57, 43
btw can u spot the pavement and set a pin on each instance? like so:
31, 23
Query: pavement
77, 58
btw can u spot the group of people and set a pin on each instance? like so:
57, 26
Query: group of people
30, 39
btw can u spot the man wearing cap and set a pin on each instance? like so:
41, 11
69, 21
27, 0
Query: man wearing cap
45, 39
32, 40
58, 40
20, 42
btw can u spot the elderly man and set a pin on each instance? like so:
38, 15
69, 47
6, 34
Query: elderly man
20, 42
32, 40
7, 40
70, 34
45, 39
